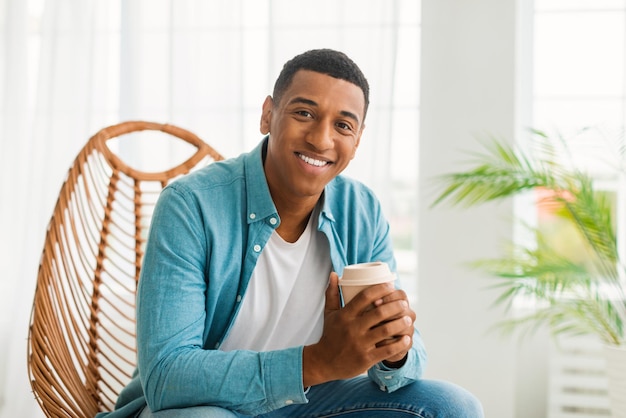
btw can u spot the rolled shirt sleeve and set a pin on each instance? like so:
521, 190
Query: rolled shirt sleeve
389, 380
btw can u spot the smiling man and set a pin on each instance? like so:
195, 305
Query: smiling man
239, 312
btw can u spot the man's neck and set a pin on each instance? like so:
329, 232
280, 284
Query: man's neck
294, 217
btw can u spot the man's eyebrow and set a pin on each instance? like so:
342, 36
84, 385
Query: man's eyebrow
350, 115
314, 104
303, 100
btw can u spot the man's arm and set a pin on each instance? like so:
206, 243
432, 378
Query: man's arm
172, 324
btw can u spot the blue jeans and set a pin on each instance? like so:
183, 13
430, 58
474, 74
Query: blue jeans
359, 398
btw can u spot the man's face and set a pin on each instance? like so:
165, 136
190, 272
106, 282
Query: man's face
314, 133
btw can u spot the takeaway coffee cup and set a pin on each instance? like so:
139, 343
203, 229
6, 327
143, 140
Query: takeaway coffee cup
357, 277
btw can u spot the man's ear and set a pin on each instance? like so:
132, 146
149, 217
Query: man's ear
266, 115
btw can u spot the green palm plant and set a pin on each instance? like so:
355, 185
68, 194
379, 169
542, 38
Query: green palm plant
573, 296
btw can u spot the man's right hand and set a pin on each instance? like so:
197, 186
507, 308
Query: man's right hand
358, 336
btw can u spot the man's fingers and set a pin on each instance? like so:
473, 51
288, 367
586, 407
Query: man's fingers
393, 349
372, 296
393, 328
397, 294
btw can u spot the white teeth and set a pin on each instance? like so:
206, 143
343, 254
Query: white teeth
312, 161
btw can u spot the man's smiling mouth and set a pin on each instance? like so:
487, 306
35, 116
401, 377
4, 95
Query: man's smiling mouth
312, 161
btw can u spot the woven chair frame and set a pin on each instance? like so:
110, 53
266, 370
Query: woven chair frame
81, 343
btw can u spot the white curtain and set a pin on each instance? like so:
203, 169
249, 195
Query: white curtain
71, 67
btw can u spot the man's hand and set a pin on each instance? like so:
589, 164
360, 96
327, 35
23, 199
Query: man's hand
376, 325
399, 295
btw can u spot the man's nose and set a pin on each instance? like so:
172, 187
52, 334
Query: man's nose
321, 135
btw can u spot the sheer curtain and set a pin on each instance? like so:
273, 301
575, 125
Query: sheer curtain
71, 67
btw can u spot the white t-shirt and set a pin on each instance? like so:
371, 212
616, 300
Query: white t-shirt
284, 304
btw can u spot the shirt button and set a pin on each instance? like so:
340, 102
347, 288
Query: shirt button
388, 377
383, 388
252, 215
238, 298
288, 402
273, 221
257, 248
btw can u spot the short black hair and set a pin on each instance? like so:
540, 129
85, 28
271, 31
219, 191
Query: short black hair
325, 61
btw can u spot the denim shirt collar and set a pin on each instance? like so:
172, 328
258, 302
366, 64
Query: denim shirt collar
260, 203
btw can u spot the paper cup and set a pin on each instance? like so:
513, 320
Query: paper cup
357, 277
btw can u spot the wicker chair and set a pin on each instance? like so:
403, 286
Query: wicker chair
81, 345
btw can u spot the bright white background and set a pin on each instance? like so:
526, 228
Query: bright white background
441, 73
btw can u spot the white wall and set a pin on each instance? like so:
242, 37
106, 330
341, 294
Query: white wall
468, 82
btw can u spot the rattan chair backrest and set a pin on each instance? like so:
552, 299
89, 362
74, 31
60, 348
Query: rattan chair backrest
81, 345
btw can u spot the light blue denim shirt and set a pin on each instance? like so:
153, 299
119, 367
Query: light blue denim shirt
207, 232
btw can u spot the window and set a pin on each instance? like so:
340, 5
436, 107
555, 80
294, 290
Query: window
580, 92
579, 75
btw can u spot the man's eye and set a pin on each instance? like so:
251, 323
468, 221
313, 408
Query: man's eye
304, 113
345, 126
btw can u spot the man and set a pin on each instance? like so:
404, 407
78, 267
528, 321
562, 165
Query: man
239, 310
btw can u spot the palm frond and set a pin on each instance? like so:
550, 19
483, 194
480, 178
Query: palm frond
571, 317
591, 212
500, 172
574, 297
